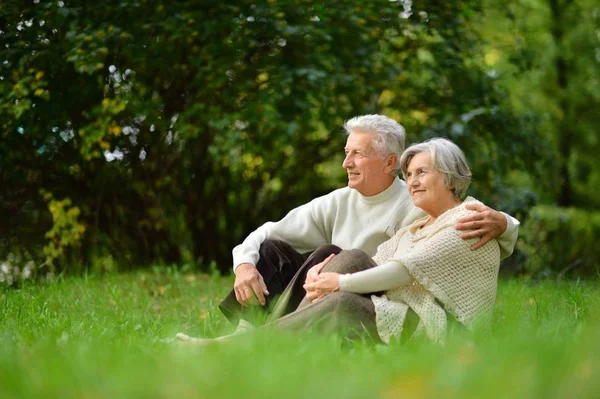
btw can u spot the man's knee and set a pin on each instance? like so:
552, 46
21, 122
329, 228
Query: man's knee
274, 253
270, 246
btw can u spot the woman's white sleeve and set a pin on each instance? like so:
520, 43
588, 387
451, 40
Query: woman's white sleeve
386, 276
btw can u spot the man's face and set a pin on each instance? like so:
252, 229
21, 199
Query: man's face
368, 172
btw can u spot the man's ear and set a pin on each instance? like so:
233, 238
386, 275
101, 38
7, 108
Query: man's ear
390, 163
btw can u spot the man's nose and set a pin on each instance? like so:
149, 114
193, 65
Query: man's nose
347, 162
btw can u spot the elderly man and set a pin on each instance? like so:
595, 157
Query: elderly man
370, 210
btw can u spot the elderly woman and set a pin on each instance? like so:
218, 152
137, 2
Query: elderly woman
420, 278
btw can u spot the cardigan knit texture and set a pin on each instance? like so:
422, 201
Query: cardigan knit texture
448, 277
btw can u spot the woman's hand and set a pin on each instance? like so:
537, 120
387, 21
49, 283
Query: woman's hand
313, 272
325, 284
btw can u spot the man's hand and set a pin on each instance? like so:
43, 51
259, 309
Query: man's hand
487, 224
248, 283
325, 284
313, 272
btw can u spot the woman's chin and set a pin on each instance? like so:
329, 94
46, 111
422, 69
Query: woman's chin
418, 201
424, 205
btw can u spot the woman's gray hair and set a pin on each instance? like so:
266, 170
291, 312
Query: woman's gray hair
389, 134
447, 158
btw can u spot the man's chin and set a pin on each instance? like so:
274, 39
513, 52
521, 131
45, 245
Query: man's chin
355, 186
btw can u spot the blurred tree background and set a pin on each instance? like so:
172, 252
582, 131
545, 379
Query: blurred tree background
148, 132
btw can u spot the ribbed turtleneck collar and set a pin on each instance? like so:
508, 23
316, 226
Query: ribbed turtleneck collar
393, 190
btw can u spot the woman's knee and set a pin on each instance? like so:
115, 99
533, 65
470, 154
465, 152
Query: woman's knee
325, 250
360, 254
349, 261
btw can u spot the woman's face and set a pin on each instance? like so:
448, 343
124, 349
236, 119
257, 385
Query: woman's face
426, 184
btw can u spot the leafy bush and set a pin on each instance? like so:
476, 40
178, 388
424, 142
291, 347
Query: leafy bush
66, 230
559, 241
167, 132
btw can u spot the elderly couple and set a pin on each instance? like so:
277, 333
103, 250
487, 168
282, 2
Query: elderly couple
393, 258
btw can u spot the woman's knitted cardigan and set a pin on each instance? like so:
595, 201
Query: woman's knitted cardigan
449, 277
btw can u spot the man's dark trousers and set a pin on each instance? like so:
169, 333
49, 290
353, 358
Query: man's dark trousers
279, 264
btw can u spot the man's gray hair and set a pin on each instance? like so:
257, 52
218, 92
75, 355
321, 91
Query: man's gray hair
447, 158
389, 134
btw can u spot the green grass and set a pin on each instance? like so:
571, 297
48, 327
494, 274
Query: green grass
110, 336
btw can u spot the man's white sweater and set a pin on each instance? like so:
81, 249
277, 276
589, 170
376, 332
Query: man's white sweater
349, 220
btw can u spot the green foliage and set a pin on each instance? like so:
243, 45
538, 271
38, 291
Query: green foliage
546, 54
111, 337
66, 231
561, 242
175, 128
178, 127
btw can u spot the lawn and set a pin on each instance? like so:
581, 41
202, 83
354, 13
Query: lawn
111, 336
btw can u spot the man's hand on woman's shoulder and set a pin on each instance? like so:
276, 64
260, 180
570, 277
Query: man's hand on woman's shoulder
486, 224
